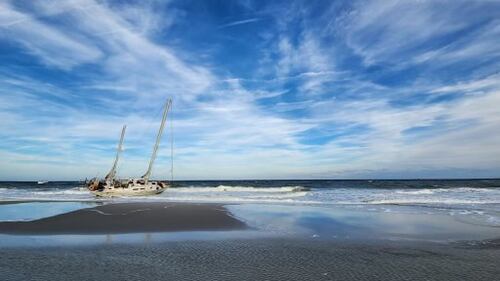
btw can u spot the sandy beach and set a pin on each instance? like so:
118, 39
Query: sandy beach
187, 241
265, 259
130, 218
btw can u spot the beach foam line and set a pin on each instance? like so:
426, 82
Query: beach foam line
429, 201
416, 192
294, 199
237, 188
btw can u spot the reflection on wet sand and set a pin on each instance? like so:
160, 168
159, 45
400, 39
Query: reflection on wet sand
129, 218
154, 222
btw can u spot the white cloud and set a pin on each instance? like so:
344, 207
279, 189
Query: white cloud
492, 81
306, 60
397, 32
240, 22
470, 143
51, 46
132, 61
222, 130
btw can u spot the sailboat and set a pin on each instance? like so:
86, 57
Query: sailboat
110, 186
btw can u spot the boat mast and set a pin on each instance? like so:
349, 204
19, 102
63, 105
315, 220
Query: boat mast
171, 148
158, 138
112, 173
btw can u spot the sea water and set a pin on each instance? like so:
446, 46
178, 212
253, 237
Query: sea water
475, 200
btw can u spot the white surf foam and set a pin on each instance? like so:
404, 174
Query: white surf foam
416, 192
277, 194
430, 201
228, 188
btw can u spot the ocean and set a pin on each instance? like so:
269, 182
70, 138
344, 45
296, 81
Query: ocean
479, 199
440, 192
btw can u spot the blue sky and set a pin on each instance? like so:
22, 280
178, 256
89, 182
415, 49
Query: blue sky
261, 89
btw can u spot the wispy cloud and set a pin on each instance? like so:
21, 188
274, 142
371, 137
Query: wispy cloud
396, 32
240, 22
53, 47
362, 89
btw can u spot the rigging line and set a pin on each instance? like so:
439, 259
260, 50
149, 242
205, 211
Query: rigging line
158, 138
152, 123
171, 145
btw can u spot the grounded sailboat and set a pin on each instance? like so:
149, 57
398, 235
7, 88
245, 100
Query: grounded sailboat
110, 186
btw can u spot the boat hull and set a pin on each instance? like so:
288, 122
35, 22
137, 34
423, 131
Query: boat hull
134, 187
125, 192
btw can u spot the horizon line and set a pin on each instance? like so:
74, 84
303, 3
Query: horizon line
312, 179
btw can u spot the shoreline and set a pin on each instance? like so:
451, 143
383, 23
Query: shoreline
334, 222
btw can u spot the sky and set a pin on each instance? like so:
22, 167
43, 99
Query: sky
260, 89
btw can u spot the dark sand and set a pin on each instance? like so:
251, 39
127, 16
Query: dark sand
130, 218
289, 258
264, 259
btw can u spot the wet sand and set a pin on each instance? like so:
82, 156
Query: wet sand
300, 243
130, 218
263, 259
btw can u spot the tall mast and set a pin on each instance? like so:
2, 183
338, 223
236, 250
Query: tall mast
158, 138
112, 173
171, 148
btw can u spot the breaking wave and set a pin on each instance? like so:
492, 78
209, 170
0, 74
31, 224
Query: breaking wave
287, 194
417, 192
482, 202
423, 201
229, 188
